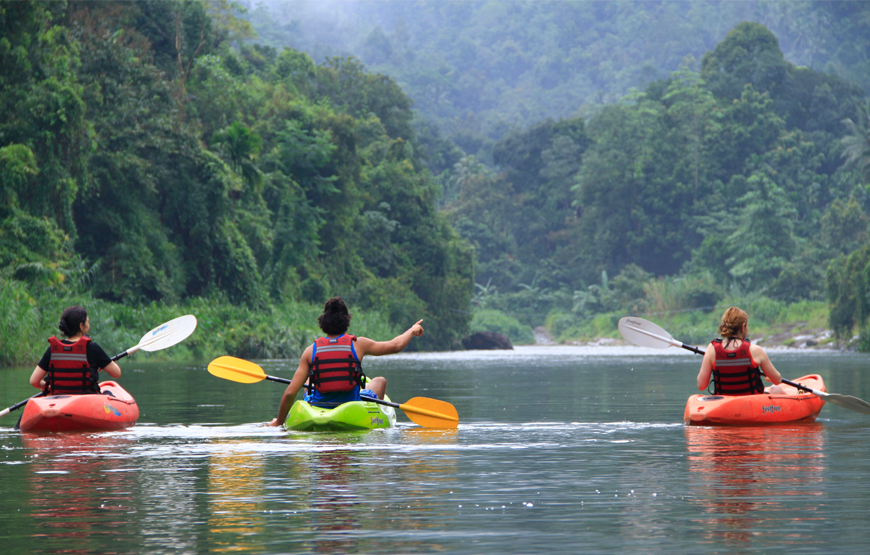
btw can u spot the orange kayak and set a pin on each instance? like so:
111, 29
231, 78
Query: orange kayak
61, 413
757, 410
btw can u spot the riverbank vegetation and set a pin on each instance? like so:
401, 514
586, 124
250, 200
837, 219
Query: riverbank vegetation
172, 156
700, 190
276, 331
140, 143
735, 170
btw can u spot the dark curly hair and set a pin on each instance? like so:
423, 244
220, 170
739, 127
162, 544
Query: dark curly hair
335, 318
71, 320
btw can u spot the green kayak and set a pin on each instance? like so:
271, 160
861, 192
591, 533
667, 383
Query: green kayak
355, 415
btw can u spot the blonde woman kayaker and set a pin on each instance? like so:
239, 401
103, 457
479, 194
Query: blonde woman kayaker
71, 366
331, 368
734, 363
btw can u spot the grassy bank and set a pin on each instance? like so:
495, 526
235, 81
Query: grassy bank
771, 322
276, 332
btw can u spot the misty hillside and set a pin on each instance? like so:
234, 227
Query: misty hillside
478, 68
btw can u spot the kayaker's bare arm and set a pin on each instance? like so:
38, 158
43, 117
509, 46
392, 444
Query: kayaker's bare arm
36, 377
112, 369
293, 388
761, 358
366, 346
706, 368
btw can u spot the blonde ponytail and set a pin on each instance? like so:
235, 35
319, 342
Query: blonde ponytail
732, 323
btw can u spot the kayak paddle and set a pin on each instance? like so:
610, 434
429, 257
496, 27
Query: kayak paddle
429, 413
163, 336
646, 334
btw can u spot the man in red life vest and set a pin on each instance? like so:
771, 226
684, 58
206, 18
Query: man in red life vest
331, 368
734, 363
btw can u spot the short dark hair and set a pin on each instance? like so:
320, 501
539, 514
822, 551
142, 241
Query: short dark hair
72, 319
335, 318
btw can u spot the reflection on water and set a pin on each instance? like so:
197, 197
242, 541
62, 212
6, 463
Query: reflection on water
743, 478
331, 478
234, 486
79, 493
558, 451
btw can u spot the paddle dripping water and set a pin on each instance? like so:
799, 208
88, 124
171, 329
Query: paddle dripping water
567, 447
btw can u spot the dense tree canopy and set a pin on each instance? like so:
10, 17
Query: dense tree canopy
157, 150
480, 67
141, 141
701, 174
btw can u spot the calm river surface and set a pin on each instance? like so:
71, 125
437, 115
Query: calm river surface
559, 450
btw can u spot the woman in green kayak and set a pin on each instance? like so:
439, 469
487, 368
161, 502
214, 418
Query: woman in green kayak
72, 365
331, 368
734, 362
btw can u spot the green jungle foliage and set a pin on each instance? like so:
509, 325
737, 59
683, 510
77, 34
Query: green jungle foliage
277, 331
140, 143
756, 188
580, 140
480, 67
157, 156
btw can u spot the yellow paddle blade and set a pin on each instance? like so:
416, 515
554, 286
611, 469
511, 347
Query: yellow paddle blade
431, 413
236, 369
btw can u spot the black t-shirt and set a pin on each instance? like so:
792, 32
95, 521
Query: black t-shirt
97, 357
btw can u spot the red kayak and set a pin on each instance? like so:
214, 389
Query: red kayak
95, 411
757, 410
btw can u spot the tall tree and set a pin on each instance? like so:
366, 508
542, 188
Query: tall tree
856, 145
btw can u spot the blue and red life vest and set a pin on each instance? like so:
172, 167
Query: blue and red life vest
735, 372
334, 366
69, 371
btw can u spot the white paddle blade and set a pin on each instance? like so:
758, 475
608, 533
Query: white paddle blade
645, 334
168, 334
848, 402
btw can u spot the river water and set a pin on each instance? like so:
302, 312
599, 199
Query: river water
559, 450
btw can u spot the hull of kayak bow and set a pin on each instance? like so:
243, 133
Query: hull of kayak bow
757, 410
89, 412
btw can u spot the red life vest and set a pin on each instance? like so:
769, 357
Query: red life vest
334, 366
69, 371
734, 372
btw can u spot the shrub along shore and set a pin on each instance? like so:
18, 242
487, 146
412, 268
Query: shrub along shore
222, 328
771, 323
283, 331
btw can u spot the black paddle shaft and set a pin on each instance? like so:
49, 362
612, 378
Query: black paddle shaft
16, 406
797, 385
693, 349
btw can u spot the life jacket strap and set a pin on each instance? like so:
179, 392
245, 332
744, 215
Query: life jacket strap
323, 372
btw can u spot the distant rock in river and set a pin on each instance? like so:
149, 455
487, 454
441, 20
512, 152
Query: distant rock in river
487, 340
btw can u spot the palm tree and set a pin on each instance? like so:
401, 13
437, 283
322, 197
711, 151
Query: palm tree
856, 144
240, 146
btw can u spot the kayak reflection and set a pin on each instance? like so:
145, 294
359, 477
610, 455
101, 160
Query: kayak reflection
739, 474
235, 482
79, 493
